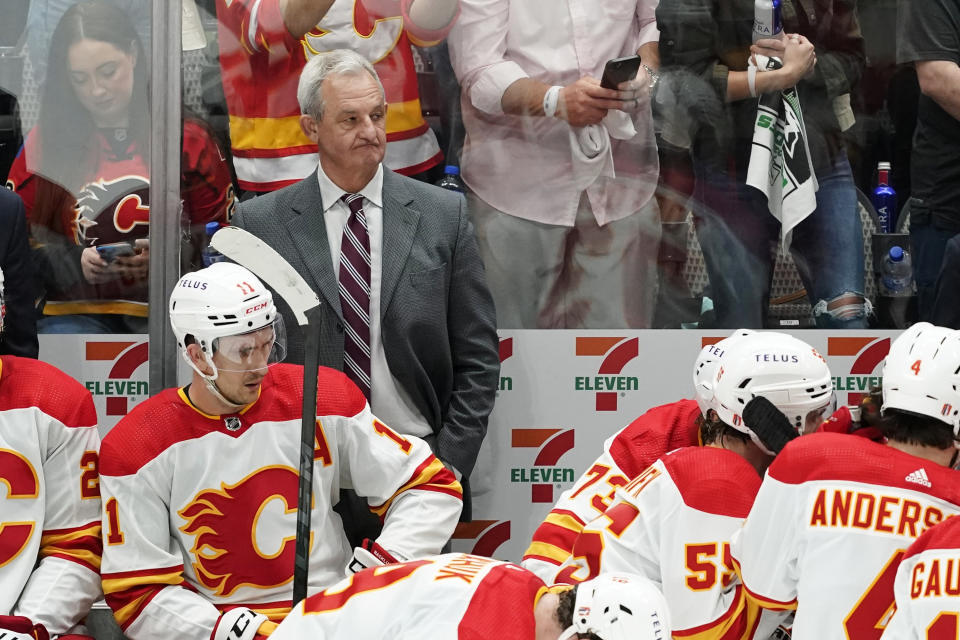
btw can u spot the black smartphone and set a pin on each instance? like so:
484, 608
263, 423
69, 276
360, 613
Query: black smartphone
111, 252
619, 70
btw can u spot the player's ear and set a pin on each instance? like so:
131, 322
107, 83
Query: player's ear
197, 358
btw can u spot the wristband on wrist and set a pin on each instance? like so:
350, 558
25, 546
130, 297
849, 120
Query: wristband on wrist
551, 99
752, 80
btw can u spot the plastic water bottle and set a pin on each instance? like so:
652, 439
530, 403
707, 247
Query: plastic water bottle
885, 199
896, 274
451, 179
211, 255
766, 20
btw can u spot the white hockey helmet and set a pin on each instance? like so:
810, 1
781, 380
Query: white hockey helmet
705, 368
785, 370
921, 374
224, 308
620, 606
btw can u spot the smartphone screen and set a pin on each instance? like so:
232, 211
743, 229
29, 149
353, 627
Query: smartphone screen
619, 70
111, 252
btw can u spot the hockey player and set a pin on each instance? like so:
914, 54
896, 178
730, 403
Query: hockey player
835, 513
674, 521
927, 587
200, 483
49, 499
464, 597
625, 455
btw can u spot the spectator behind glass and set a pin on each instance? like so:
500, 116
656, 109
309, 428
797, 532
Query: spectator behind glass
16, 291
562, 171
707, 45
84, 178
264, 45
929, 38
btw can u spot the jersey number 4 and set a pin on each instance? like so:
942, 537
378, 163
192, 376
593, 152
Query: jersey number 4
869, 617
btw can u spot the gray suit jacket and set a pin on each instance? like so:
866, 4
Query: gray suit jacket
438, 322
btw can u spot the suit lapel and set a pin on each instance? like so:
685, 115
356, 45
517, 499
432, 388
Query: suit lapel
400, 222
309, 235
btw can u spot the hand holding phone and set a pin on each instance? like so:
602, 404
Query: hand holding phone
110, 252
619, 70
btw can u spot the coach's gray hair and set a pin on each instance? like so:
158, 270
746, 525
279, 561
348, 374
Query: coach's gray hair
309, 90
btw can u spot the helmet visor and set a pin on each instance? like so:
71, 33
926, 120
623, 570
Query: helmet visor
252, 351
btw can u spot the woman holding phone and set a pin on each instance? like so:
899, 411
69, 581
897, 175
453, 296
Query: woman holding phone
83, 174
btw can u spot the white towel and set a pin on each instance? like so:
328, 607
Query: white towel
590, 147
780, 165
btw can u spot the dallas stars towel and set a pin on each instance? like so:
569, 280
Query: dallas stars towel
780, 165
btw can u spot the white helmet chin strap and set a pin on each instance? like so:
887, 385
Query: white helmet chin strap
209, 379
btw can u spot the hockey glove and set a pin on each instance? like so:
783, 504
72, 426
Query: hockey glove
769, 424
241, 624
370, 554
21, 628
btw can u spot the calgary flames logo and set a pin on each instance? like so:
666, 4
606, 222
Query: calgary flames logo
108, 210
226, 550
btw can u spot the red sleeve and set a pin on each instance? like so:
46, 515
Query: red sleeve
503, 601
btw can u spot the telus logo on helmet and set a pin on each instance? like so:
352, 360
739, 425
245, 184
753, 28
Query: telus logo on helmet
553, 443
608, 384
193, 284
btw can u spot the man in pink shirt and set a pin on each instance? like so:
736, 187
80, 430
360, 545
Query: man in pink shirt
561, 171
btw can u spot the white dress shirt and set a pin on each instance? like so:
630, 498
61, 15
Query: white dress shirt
389, 401
524, 166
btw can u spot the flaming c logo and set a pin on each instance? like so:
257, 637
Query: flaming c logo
227, 554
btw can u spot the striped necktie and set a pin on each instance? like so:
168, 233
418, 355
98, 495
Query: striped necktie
355, 293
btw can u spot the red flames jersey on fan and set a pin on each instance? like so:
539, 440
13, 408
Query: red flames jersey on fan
829, 526
49, 495
927, 587
625, 456
448, 597
201, 510
260, 63
673, 524
114, 206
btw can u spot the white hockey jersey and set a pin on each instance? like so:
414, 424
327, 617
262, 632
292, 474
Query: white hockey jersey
626, 454
200, 510
927, 587
673, 524
448, 597
830, 524
49, 495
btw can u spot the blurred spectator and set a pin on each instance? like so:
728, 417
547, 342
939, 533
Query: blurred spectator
707, 45
562, 171
45, 15
946, 306
16, 290
83, 176
264, 45
930, 39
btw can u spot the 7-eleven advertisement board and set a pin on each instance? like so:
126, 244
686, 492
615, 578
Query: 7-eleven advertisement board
563, 393
560, 395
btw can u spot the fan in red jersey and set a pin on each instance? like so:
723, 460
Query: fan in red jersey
200, 484
83, 174
464, 597
835, 513
50, 510
673, 522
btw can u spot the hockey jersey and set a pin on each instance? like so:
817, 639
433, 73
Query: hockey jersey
673, 524
830, 524
448, 597
927, 587
625, 455
200, 510
260, 63
113, 205
49, 495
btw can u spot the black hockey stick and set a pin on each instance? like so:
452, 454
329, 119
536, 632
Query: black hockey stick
769, 423
251, 252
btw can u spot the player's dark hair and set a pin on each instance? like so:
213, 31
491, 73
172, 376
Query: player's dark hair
912, 428
713, 430
568, 600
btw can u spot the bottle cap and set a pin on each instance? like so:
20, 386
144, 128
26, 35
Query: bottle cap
452, 169
883, 166
211, 227
896, 253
